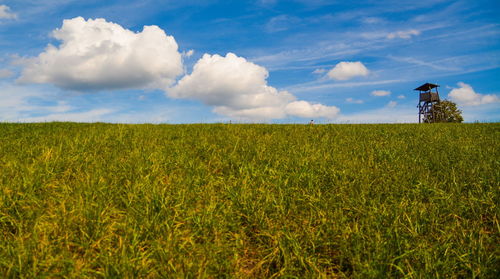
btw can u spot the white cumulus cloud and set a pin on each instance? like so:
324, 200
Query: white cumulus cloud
380, 93
348, 70
229, 81
238, 88
307, 110
403, 34
96, 55
465, 95
5, 13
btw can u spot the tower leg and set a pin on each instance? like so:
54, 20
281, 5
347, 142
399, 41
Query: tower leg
419, 114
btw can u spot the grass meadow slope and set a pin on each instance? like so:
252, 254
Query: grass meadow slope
249, 201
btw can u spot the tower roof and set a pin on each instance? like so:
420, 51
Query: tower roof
426, 87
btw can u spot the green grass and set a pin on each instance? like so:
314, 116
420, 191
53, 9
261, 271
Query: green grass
246, 201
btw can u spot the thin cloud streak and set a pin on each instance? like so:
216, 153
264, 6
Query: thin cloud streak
414, 61
308, 88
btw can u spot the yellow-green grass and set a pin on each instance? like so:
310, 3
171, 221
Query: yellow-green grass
249, 201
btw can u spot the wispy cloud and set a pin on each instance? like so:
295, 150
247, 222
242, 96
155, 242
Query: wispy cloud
353, 101
267, 2
289, 58
403, 34
392, 104
92, 115
418, 62
5, 73
380, 93
316, 86
486, 113
319, 71
18, 102
281, 23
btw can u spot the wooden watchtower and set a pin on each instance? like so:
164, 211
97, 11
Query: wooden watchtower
429, 96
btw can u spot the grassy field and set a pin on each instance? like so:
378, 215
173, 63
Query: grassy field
247, 201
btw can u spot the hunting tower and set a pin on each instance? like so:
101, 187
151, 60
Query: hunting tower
429, 96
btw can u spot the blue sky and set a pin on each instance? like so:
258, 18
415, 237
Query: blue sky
247, 61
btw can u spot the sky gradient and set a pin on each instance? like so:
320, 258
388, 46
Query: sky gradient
265, 61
